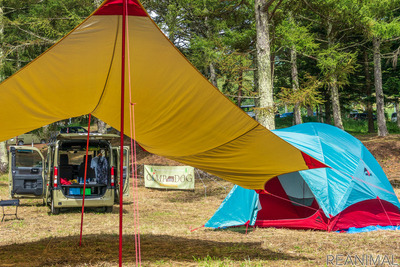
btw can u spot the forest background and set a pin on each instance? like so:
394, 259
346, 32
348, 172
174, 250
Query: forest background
322, 60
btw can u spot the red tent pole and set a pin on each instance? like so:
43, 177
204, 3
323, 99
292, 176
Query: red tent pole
121, 177
84, 179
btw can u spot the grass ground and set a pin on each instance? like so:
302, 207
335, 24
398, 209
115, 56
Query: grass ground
166, 218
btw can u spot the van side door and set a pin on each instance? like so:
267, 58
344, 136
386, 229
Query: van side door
117, 166
26, 172
126, 170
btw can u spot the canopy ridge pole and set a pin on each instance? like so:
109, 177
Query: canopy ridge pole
122, 130
84, 178
380, 201
133, 156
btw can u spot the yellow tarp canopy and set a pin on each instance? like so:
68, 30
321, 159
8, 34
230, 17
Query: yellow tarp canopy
178, 113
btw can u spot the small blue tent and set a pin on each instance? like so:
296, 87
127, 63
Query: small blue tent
353, 191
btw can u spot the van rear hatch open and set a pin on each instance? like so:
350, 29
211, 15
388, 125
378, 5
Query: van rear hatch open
72, 165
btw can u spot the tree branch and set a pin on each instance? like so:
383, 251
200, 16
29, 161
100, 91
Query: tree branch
311, 20
267, 5
322, 41
353, 45
34, 34
276, 7
315, 11
391, 40
306, 55
254, 97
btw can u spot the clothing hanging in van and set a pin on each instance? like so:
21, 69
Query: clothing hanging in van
100, 166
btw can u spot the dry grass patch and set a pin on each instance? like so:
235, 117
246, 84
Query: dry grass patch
166, 218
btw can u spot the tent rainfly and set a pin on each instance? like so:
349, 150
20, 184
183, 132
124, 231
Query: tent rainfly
178, 113
354, 192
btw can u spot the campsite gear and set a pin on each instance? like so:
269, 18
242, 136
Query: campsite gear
88, 191
74, 191
9, 203
65, 182
353, 192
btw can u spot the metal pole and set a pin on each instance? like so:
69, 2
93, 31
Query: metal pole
120, 178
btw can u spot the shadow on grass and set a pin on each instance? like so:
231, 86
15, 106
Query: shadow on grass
90, 210
395, 183
239, 229
100, 249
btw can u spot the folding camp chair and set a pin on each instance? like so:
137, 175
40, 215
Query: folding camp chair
7, 203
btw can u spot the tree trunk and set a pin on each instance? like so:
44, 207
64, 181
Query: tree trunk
337, 117
310, 111
101, 126
295, 84
239, 100
320, 114
1, 40
265, 113
213, 76
3, 157
380, 104
255, 77
369, 94
333, 88
397, 106
97, 3
3, 147
328, 111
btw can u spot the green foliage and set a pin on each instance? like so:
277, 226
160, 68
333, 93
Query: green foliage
380, 18
212, 32
336, 66
328, 36
288, 121
31, 26
294, 35
306, 95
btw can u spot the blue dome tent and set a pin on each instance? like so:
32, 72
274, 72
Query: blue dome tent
352, 191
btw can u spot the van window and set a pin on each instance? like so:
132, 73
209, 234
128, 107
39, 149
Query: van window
27, 158
75, 157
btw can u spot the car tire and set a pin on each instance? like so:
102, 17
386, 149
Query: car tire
20, 143
108, 209
43, 141
116, 195
54, 210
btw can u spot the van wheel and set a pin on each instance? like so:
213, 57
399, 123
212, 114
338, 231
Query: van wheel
54, 210
116, 196
109, 209
20, 143
43, 141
